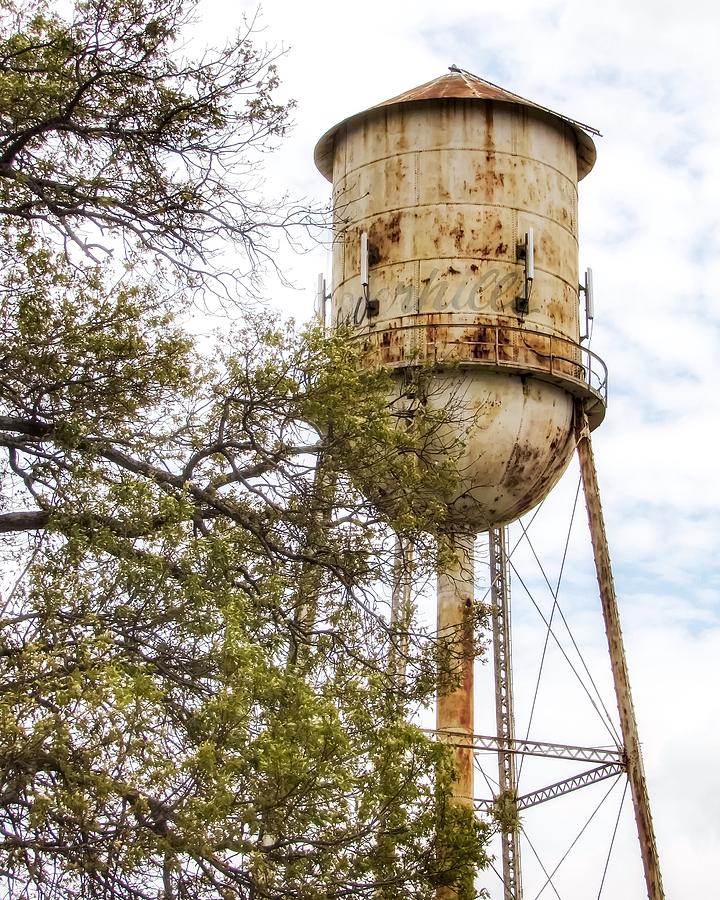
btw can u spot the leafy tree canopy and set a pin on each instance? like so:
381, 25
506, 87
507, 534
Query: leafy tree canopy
201, 694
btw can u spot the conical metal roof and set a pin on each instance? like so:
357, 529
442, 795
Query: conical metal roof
459, 84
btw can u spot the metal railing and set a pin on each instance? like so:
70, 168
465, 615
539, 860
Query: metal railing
549, 353
499, 346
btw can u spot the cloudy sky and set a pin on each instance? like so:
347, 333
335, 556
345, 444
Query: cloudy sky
645, 73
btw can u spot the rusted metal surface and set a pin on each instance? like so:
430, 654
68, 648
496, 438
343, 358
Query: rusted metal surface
442, 341
445, 193
454, 85
628, 722
509, 392
462, 86
446, 189
454, 711
508, 437
455, 621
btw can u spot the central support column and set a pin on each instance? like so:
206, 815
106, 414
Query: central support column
455, 708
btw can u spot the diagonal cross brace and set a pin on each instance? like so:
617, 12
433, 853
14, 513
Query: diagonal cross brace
600, 773
543, 748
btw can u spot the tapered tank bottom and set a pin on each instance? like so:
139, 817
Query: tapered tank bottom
510, 438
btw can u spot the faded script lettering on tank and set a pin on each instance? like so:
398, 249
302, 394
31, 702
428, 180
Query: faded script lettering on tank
489, 293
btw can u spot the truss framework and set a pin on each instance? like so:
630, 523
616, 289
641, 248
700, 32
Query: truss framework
600, 773
504, 710
612, 760
482, 742
612, 763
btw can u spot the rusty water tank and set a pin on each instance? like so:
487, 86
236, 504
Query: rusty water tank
437, 195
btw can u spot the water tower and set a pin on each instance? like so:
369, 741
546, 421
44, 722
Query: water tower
455, 215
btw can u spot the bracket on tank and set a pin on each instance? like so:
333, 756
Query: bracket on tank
321, 298
526, 252
372, 307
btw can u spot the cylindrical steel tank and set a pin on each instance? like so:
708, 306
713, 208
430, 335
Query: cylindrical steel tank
437, 195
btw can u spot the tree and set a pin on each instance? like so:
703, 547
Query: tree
196, 695
110, 135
